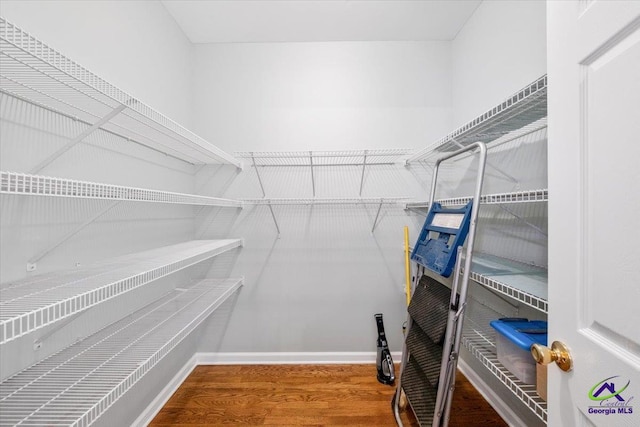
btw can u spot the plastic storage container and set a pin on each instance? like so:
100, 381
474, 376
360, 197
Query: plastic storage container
514, 340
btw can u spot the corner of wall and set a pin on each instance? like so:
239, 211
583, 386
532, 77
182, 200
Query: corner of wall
500, 49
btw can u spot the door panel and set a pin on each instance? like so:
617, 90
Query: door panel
594, 208
611, 181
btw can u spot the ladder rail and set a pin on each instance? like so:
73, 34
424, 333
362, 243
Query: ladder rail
456, 312
450, 353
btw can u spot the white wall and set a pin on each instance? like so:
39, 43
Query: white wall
500, 50
317, 287
135, 45
322, 96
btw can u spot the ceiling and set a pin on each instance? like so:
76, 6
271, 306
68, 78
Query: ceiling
243, 21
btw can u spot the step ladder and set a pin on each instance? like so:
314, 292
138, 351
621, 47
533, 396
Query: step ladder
436, 312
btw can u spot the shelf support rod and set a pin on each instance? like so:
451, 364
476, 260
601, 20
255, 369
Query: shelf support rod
253, 160
491, 165
37, 344
264, 195
417, 210
109, 131
510, 212
32, 263
313, 181
375, 221
273, 215
46, 162
364, 165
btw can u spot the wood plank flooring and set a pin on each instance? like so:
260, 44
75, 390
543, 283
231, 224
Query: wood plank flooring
303, 395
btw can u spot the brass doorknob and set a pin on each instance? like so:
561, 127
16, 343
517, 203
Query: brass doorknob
558, 353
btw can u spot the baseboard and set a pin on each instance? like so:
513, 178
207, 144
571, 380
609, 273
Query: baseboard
490, 396
289, 358
163, 397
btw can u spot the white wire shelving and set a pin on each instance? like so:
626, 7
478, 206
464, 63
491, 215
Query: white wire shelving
480, 342
325, 158
521, 109
36, 73
524, 283
327, 201
78, 384
526, 196
314, 159
33, 303
38, 185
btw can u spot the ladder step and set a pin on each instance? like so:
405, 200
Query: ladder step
429, 308
427, 354
420, 394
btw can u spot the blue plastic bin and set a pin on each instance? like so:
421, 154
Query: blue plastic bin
514, 339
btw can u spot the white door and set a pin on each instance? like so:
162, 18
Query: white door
594, 210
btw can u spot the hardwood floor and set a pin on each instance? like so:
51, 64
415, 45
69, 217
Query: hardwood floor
302, 395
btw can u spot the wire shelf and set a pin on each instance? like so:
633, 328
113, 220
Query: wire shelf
77, 385
327, 201
38, 185
480, 342
325, 158
33, 71
522, 282
33, 303
524, 107
526, 196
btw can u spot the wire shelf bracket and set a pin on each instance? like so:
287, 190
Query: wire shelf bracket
32, 263
313, 181
33, 303
275, 221
492, 166
166, 151
364, 166
523, 220
375, 221
46, 162
264, 194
